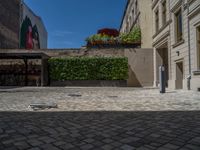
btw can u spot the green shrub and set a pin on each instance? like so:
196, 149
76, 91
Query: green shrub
88, 68
131, 37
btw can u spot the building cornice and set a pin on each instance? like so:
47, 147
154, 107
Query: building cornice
176, 6
154, 4
165, 35
194, 12
162, 28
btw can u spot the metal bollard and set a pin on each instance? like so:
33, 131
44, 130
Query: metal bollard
162, 79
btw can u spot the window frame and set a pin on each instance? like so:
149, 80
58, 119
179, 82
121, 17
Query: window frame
156, 13
198, 46
178, 25
164, 12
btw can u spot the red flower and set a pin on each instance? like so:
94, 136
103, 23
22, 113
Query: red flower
109, 32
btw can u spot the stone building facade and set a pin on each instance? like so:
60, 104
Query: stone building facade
9, 23
176, 42
139, 12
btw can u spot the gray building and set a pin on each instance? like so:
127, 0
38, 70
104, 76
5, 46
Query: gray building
19, 26
9, 23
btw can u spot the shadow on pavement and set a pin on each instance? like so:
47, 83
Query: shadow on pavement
9, 87
99, 130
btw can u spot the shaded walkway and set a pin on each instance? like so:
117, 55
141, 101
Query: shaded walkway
100, 130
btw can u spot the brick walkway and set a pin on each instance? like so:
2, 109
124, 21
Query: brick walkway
123, 120
100, 130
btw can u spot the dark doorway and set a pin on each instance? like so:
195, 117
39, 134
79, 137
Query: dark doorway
179, 75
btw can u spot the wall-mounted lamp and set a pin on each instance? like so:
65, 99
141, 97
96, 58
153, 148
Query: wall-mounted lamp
178, 53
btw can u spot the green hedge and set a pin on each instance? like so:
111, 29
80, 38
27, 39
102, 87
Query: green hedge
88, 68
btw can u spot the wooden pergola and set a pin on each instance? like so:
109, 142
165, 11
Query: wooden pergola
25, 56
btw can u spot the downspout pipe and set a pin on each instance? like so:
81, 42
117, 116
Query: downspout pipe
189, 49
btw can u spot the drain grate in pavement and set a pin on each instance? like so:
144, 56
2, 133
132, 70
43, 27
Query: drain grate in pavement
74, 95
112, 96
42, 106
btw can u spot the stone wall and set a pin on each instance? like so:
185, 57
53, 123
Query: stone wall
140, 67
140, 60
9, 23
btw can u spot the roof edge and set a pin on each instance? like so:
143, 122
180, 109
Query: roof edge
126, 7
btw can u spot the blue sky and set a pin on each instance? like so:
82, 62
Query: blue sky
69, 22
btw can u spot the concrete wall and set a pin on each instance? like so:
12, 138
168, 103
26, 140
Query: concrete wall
9, 23
140, 67
140, 60
145, 22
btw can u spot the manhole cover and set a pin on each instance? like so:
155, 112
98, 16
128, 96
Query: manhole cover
113, 96
75, 95
41, 106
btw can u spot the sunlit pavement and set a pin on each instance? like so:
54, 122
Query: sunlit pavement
99, 99
78, 127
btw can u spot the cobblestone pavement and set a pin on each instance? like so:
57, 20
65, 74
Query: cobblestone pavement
124, 119
100, 130
99, 99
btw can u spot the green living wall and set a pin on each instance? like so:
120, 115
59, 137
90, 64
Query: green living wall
88, 68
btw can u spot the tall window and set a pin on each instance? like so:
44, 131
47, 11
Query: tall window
178, 26
164, 12
157, 20
136, 7
198, 46
133, 13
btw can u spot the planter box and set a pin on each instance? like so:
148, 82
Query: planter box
92, 83
115, 45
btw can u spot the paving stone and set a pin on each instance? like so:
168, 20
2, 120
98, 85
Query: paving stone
87, 147
34, 142
107, 147
47, 139
10, 148
171, 146
195, 141
59, 143
7, 142
67, 146
22, 145
127, 147
89, 140
34, 148
193, 147
1, 131
163, 148
107, 141
50, 147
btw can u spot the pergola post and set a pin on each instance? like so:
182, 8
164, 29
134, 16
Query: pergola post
44, 72
26, 71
